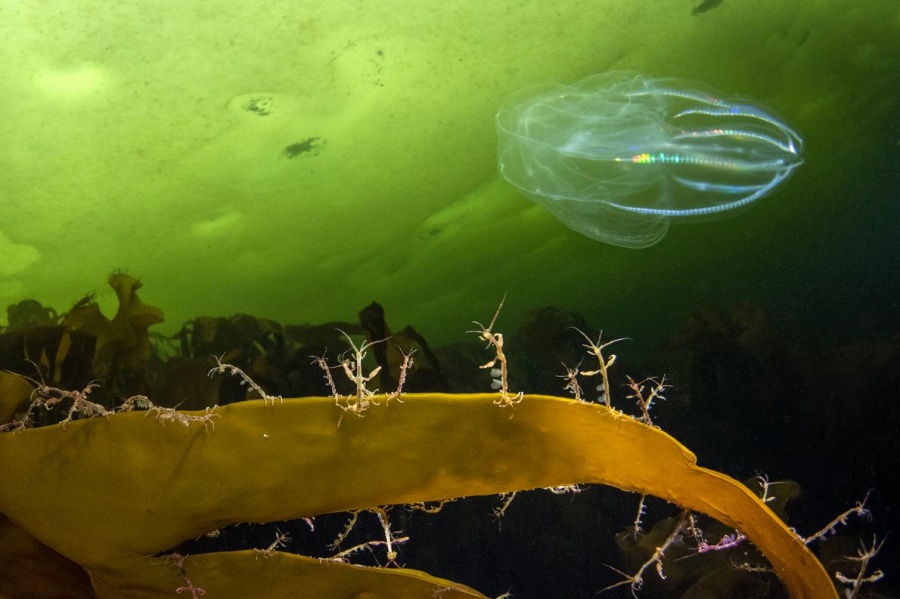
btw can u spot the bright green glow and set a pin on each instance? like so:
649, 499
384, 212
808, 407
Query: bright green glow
127, 144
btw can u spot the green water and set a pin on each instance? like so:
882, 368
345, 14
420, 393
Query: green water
298, 160
153, 138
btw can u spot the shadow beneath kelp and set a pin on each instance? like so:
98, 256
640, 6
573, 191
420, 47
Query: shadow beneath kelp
745, 399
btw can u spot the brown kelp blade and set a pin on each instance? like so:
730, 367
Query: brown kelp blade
109, 493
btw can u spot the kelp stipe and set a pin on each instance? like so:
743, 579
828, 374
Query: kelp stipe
619, 156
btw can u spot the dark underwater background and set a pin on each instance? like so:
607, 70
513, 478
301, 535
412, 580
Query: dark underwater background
269, 171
